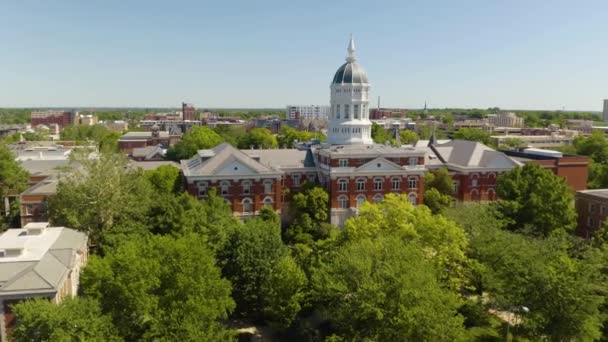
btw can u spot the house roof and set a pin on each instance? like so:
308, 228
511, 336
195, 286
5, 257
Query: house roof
472, 154
285, 158
153, 165
44, 262
148, 152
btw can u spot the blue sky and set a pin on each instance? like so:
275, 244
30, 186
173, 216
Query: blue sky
468, 54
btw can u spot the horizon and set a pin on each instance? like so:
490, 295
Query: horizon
472, 55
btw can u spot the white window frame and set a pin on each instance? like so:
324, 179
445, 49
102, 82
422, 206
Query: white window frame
343, 202
246, 187
343, 162
224, 188
412, 197
378, 184
360, 200
267, 186
378, 198
361, 184
412, 182
342, 185
396, 181
296, 179
248, 202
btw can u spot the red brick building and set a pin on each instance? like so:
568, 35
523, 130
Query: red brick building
188, 112
133, 140
60, 118
592, 209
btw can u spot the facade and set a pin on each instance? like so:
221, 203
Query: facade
387, 113
132, 140
539, 141
605, 111
506, 119
60, 118
38, 261
310, 112
188, 112
592, 209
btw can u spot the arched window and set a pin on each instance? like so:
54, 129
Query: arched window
360, 200
475, 195
491, 195
412, 198
377, 184
342, 185
361, 184
412, 182
224, 187
295, 179
268, 186
246, 187
474, 180
247, 205
343, 202
377, 198
492, 178
396, 184
268, 202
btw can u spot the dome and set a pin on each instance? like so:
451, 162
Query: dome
350, 72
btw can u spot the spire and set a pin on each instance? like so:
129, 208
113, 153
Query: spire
351, 50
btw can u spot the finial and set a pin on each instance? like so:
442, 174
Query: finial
351, 50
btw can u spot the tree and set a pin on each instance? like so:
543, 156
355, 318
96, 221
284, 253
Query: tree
379, 134
165, 179
309, 209
267, 283
288, 135
13, 180
594, 146
383, 289
105, 139
512, 143
161, 288
474, 134
71, 320
198, 138
230, 133
438, 190
444, 241
258, 138
103, 198
408, 137
535, 201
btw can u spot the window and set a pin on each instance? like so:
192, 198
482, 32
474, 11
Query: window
603, 210
202, 189
591, 208
455, 186
377, 198
343, 162
268, 202
474, 182
590, 221
343, 202
413, 161
346, 111
356, 111
342, 185
396, 183
412, 198
267, 186
360, 184
295, 180
377, 184
412, 183
364, 114
475, 195
224, 188
337, 111
247, 205
246, 187
360, 200
311, 177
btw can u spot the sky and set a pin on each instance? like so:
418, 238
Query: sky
512, 54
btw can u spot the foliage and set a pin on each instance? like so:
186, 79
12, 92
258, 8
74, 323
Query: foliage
230, 133
474, 134
13, 180
71, 320
198, 138
408, 137
105, 139
309, 209
267, 282
161, 288
258, 138
103, 198
287, 136
441, 180
511, 143
15, 115
384, 289
436, 201
379, 134
165, 179
443, 241
536, 201
594, 146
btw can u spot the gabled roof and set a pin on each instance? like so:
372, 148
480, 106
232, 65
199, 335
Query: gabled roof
282, 158
216, 161
379, 164
472, 154
148, 152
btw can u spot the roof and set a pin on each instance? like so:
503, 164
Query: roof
46, 167
472, 154
350, 72
153, 165
148, 152
372, 150
46, 187
45, 261
602, 193
143, 135
278, 159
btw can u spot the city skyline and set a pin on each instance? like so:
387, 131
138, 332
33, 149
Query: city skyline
239, 55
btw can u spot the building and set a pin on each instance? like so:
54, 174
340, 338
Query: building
506, 119
38, 261
149, 153
309, 112
592, 209
117, 126
573, 168
387, 113
188, 112
60, 118
538, 141
605, 111
350, 166
132, 140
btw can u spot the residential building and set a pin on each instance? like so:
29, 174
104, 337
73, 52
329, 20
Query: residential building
505, 119
61, 118
573, 168
592, 209
38, 261
188, 112
307, 112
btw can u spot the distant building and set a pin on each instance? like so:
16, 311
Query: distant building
310, 112
592, 209
505, 119
149, 153
117, 126
38, 261
387, 113
539, 141
132, 140
188, 112
61, 118
605, 110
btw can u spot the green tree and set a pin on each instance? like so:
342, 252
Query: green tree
258, 138
230, 133
13, 180
165, 179
198, 138
70, 320
384, 290
309, 209
438, 190
161, 288
512, 143
474, 134
535, 201
379, 134
267, 283
594, 146
408, 137
287, 135
104, 138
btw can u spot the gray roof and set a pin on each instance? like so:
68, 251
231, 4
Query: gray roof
46, 167
372, 150
143, 135
223, 156
279, 159
148, 152
152, 165
600, 193
472, 154
43, 265
47, 187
